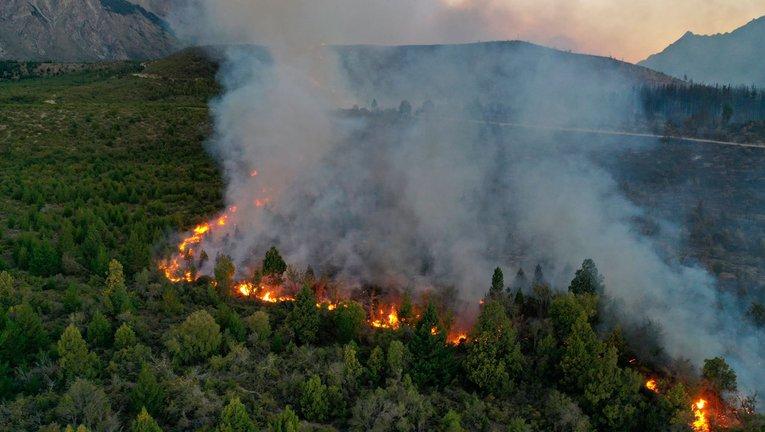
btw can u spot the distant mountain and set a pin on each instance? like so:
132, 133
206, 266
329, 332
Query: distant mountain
736, 58
81, 30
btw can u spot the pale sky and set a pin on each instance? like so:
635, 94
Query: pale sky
625, 29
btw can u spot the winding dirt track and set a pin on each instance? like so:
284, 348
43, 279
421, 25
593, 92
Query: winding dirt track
606, 132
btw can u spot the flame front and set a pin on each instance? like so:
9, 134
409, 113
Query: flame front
700, 422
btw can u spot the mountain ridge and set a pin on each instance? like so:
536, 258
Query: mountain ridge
732, 58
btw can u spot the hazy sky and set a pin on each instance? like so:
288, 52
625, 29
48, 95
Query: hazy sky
626, 29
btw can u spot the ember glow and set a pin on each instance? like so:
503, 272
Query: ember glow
652, 385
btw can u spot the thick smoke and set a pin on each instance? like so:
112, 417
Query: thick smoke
434, 200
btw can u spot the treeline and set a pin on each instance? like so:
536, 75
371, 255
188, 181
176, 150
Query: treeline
703, 104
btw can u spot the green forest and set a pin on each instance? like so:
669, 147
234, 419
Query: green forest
100, 168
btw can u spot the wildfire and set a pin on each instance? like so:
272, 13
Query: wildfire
266, 293
652, 385
245, 288
700, 422
390, 321
457, 338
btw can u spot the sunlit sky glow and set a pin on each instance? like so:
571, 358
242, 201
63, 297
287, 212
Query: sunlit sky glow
625, 29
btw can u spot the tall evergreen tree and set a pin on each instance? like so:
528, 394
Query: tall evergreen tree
303, 319
434, 363
587, 280
497, 283
148, 393
273, 263
75, 359
234, 418
494, 357
144, 422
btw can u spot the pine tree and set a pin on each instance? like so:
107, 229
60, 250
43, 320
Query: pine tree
99, 330
273, 264
145, 423
587, 280
234, 418
75, 359
147, 392
7, 293
23, 336
452, 422
494, 357
497, 283
115, 290
224, 273
124, 337
286, 421
719, 375
396, 359
376, 364
137, 254
352, 369
303, 319
520, 283
435, 363
349, 321
314, 402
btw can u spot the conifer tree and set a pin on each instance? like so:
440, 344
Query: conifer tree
75, 359
303, 319
435, 361
587, 280
497, 283
147, 392
234, 418
273, 263
144, 422
286, 421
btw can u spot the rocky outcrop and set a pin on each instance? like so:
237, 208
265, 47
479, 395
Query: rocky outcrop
81, 30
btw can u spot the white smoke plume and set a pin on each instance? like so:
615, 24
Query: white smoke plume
434, 202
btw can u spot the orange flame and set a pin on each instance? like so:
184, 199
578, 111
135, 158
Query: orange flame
456, 339
700, 422
245, 288
390, 321
652, 385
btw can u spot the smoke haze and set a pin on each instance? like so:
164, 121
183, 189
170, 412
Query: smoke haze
428, 201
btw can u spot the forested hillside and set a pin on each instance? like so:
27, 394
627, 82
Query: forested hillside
100, 169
